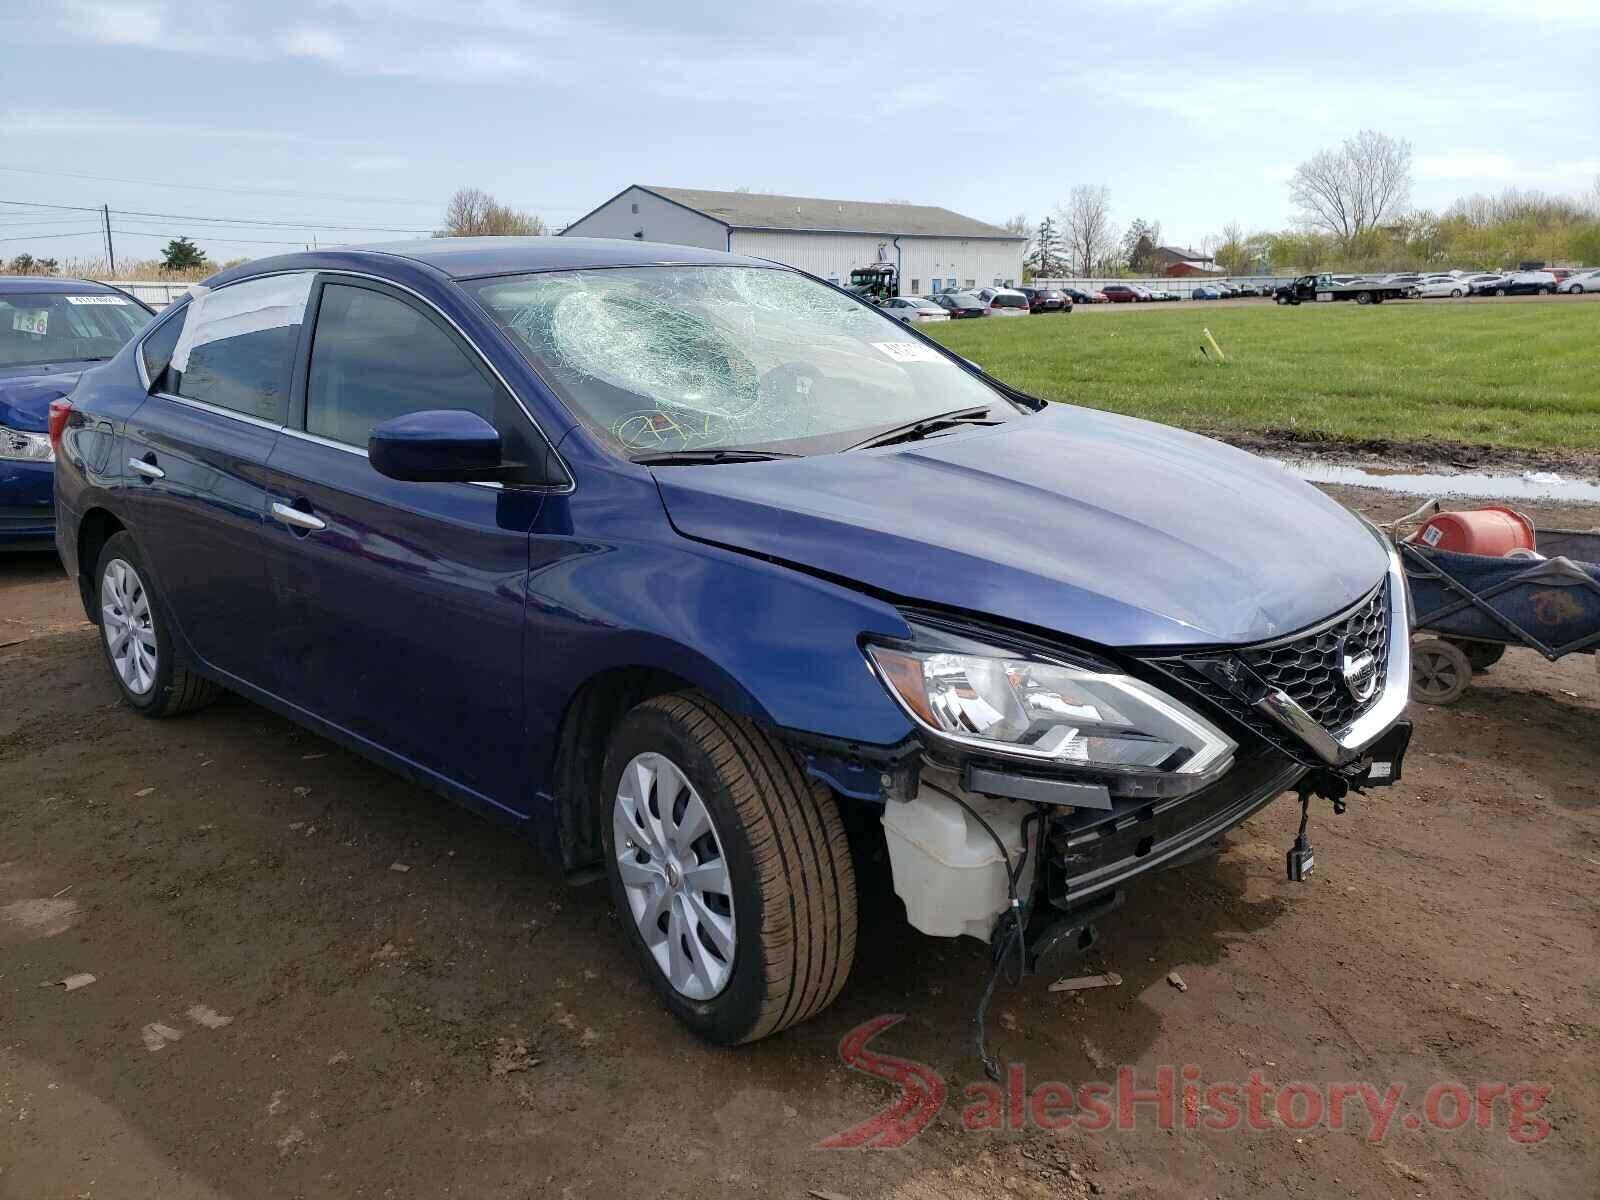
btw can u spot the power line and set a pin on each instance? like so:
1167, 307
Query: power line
168, 233
235, 222
197, 187
262, 222
59, 207
44, 237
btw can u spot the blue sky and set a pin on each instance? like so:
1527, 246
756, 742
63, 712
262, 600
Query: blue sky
370, 112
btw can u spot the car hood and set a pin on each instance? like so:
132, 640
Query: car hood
26, 392
1102, 528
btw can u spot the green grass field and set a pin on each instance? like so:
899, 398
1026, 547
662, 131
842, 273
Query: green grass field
1517, 375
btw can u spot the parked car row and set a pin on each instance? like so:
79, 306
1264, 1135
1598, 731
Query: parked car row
1461, 284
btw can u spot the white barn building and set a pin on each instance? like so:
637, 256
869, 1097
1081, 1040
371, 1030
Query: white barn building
933, 249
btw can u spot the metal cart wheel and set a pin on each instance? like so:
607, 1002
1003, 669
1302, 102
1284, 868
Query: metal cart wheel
1482, 655
1440, 672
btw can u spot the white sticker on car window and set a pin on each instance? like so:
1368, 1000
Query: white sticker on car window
909, 352
96, 299
31, 321
249, 307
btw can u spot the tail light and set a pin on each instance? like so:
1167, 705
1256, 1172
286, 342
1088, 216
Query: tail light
60, 410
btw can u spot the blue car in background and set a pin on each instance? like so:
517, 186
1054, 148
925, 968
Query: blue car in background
50, 330
1206, 292
712, 578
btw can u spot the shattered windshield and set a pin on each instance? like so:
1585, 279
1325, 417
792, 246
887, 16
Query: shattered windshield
705, 358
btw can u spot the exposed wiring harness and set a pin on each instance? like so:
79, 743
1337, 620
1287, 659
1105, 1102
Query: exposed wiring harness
1016, 930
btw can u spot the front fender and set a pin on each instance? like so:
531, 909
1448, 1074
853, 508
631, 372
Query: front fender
763, 641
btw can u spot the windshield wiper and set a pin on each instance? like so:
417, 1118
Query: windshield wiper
667, 458
922, 427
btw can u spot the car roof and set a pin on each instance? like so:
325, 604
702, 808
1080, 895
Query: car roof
475, 257
53, 284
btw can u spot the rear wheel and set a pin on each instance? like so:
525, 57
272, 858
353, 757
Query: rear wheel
1440, 672
1363, 297
136, 636
1499, 291
730, 868
1455, 293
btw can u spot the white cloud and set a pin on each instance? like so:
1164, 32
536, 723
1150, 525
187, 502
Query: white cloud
1467, 164
66, 122
123, 24
311, 42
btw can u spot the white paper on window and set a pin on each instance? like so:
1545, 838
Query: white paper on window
248, 307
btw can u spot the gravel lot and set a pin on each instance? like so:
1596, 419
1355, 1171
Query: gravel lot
280, 1010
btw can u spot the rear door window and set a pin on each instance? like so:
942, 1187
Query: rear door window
375, 356
238, 345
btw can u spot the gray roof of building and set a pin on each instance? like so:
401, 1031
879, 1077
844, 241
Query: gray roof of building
757, 210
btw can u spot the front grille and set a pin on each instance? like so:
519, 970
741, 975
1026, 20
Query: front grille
1309, 667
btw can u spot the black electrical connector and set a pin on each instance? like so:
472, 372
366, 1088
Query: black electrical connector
1301, 861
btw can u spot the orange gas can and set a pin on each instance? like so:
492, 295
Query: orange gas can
1492, 530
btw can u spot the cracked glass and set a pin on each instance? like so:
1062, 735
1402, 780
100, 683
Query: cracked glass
656, 359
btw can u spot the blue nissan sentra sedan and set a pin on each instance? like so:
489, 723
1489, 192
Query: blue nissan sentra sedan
703, 573
50, 330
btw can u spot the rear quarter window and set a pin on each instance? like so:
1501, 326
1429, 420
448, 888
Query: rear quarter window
156, 350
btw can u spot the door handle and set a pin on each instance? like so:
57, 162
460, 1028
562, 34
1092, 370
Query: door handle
294, 517
148, 469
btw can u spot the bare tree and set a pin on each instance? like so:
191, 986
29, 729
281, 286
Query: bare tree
1089, 237
472, 212
1356, 188
1232, 252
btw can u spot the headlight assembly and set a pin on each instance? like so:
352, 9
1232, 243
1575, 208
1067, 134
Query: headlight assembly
1077, 718
19, 445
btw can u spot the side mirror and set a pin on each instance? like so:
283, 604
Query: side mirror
436, 446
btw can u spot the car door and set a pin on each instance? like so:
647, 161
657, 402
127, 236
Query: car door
219, 373
399, 604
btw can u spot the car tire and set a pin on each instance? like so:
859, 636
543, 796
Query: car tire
1499, 291
1576, 289
1455, 293
788, 913
1547, 291
1363, 297
134, 621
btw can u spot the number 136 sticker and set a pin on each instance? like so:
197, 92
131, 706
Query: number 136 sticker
31, 322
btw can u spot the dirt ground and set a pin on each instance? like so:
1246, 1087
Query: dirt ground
279, 1009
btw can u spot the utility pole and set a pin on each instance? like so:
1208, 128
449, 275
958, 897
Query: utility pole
111, 251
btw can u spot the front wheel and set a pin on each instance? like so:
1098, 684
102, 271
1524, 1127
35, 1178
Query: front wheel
729, 867
136, 636
1499, 291
1455, 293
1576, 289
